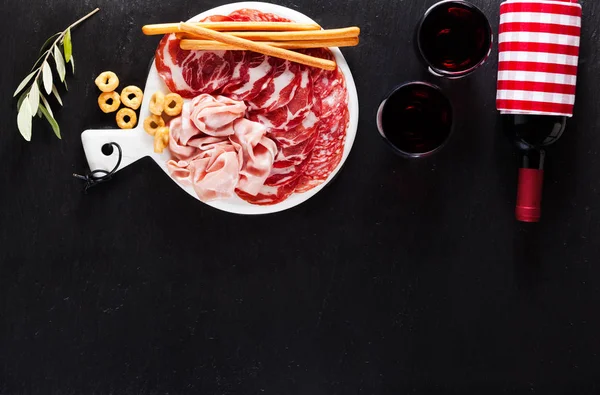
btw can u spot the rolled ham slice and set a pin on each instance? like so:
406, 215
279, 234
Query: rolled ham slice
258, 154
217, 151
214, 116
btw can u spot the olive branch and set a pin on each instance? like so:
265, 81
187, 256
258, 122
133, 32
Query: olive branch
32, 101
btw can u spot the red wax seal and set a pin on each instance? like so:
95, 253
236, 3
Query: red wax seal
529, 196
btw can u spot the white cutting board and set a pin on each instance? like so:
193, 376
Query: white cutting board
136, 143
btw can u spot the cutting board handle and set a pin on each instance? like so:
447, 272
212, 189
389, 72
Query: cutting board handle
135, 144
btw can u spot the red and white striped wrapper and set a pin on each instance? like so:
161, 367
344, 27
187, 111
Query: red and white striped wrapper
538, 56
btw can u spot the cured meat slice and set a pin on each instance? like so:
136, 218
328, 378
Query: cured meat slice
251, 74
191, 73
295, 145
168, 69
257, 154
217, 151
323, 81
292, 114
214, 116
212, 171
246, 14
329, 148
280, 89
325, 157
336, 101
299, 133
296, 154
269, 195
284, 173
205, 71
219, 18
291, 162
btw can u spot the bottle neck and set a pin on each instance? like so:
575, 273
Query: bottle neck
533, 159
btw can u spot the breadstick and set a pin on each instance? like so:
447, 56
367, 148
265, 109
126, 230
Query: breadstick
258, 47
166, 28
330, 34
208, 45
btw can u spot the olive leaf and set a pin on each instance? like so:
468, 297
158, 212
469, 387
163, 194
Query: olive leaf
51, 120
24, 118
68, 46
23, 84
22, 98
29, 104
60, 64
46, 104
39, 61
56, 95
47, 77
48, 42
34, 98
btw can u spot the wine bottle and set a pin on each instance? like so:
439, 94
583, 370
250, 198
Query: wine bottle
537, 76
532, 134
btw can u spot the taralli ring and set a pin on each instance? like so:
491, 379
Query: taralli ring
126, 118
107, 81
132, 97
152, 124
157, 103
173, 104
109, 102
161, 139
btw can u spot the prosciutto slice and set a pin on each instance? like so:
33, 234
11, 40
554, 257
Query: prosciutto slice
219, 151
214, 116
209, 164
257, 155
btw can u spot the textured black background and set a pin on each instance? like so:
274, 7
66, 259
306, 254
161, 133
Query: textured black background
400, 277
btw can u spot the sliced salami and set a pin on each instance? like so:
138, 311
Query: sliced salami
323, 81
329, 148
325, 157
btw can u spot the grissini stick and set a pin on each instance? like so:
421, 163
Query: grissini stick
167, 28
257, 47
209, 45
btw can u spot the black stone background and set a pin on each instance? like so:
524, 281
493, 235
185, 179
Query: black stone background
400, 277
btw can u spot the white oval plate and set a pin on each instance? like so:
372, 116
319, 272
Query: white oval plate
136, 144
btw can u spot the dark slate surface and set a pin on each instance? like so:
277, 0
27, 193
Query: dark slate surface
400, 277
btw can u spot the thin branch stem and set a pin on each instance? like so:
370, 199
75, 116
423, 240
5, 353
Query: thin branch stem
82, 19
58, 39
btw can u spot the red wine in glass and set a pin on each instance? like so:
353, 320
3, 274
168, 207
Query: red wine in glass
415, 119
454, 38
